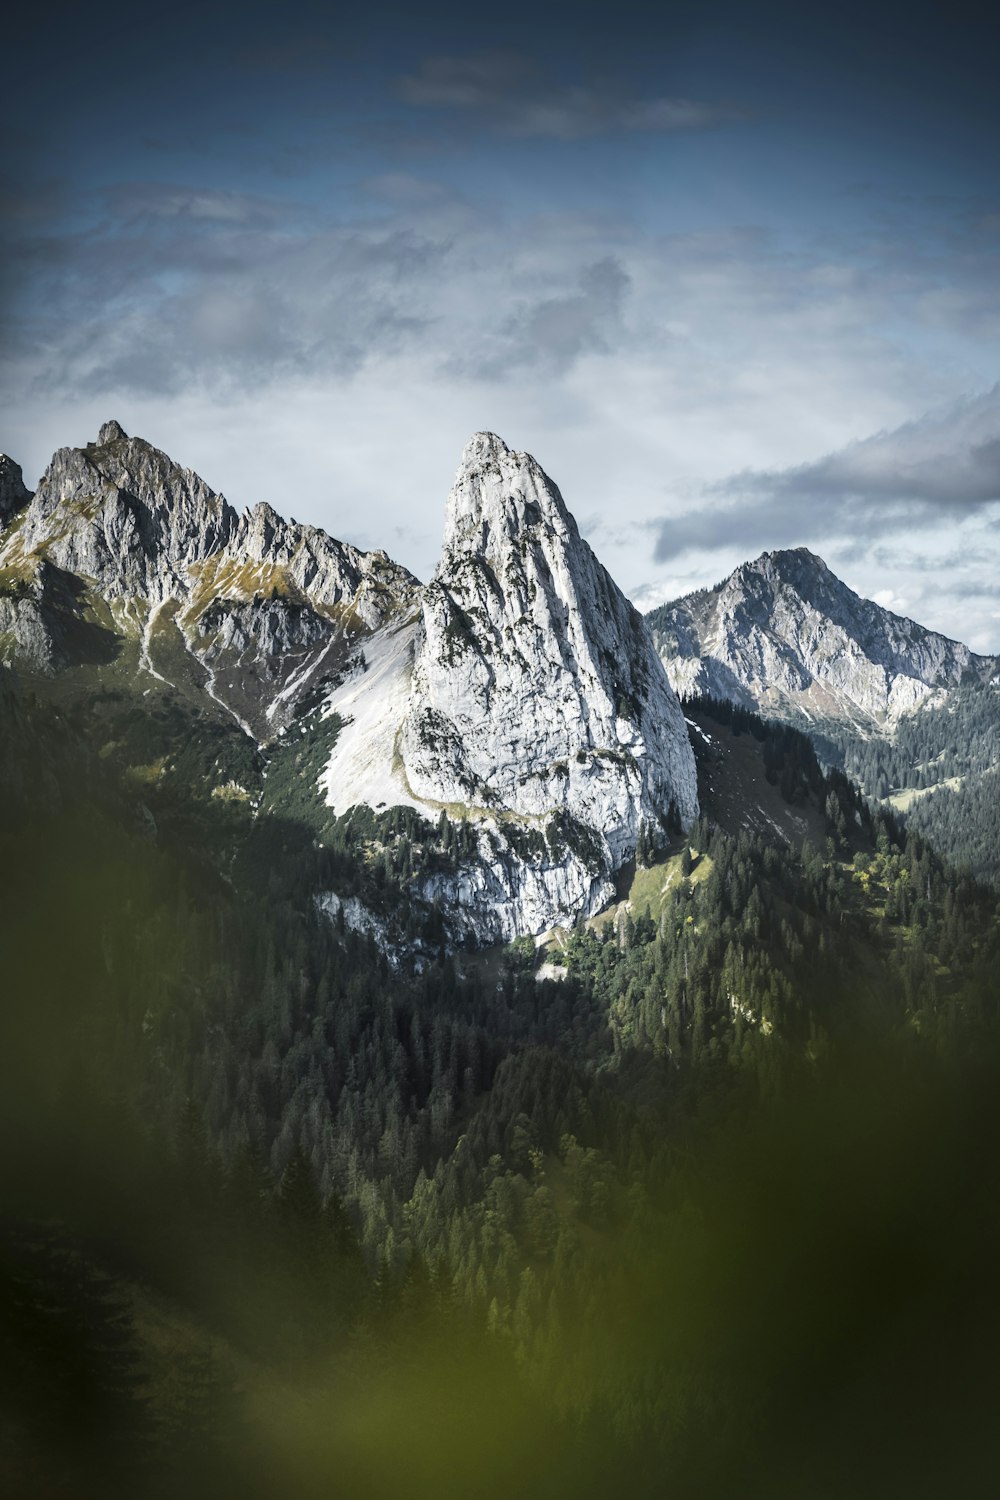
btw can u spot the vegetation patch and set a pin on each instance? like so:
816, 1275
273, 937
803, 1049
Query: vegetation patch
565, 834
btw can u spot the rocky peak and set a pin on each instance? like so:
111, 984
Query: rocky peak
787, 562
328, 572
535, 691
261, 528
259, 602
498, 495
14, 494
123, 514
786, 634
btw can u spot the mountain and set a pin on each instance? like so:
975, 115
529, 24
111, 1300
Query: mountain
277, 1142
517, 695
525, 698
123, 556
14, 494
911, 715
784, 634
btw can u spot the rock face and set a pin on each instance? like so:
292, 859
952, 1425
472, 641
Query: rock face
527, 697
784, 634
123, 515
14, 495
519, 693
119, 538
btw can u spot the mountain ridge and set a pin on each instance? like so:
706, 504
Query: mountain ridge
911, 715
784, 633
518, 692
120, 537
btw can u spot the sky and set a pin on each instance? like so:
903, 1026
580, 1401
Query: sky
730, 272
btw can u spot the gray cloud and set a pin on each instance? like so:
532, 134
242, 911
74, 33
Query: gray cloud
367, 340
946, 463
478, 81
508, 92
127, 202
551, 333
746, 347
180, 286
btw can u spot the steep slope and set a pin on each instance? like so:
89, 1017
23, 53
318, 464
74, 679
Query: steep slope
14, 494
124, 557
784, 634
912, 716
526, 698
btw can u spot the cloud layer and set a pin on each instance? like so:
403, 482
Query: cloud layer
510, 93
944, 467
319, 276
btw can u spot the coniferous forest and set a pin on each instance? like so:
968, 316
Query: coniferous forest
700, 1200
940, 769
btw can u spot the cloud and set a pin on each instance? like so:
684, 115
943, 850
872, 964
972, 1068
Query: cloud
945, 464
695, 373
127, 201
177, 287
507, 92
477, 81
552, 333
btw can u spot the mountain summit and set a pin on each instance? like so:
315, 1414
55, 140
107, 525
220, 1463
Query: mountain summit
526, 697
787, 636
123, 555
535, 665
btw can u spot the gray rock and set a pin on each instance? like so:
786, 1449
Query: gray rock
528, 697
260, 601
785, 635
14, 494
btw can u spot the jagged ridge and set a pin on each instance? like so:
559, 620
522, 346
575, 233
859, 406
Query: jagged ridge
785, 634
519, 690
119, 535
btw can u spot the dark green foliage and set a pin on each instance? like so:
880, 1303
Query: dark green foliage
294, 764
634, 1200
959, 739
70, 1368
564, 832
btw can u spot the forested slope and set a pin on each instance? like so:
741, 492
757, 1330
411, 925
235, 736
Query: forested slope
291, 1207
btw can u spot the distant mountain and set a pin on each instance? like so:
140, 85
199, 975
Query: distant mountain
785, 635
911, 715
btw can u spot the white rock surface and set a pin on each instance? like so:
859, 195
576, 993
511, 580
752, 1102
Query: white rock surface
365, 766
265, 605
784, 634
530, 699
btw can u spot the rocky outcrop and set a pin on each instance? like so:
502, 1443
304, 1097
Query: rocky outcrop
785, 635
535, 687
122, 515
14, 494
527, 697
519, 692
261, 604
